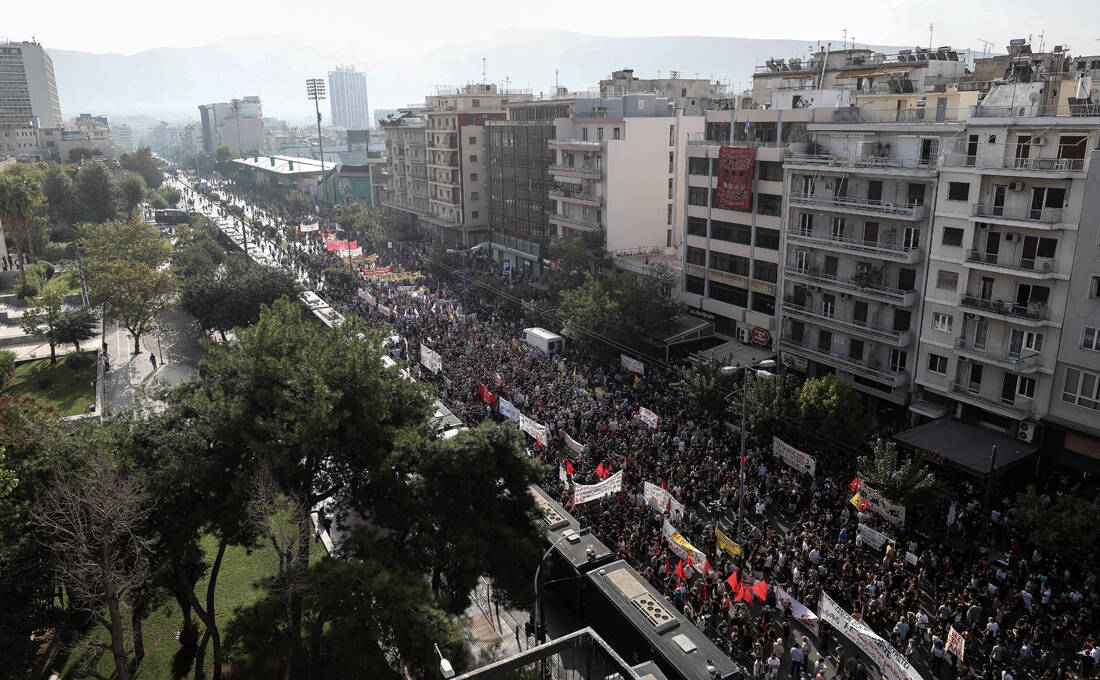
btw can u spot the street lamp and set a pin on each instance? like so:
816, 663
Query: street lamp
540, 611
445, 666
315, 90
766, 363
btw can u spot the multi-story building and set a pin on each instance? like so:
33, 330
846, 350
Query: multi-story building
347, 91
404, 189
242, 130
95, 129
692, 96
615, 170
378, 115
28, 90
1004, 338
519, 159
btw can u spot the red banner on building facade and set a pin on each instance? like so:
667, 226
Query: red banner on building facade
735, 164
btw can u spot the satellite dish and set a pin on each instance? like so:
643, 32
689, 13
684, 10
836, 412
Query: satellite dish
1034, 97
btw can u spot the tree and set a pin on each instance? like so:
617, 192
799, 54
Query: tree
646, 304
831, 405
772, 408
42, 320
196, 254
96, 190
298, 205
591, 313
80, 153
223, 154
171, 195
341, 279
60, 195
573, 259
906, 482
20, 199
132, 192
130, 240
77, 325
706, 385
134, 293
234, 296
1066, 523
92, 518
144, 163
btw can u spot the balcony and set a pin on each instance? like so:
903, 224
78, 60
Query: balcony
576, 222
863, 206
1009, 409
578, 144
444, 182
1031, 267
1008, 310
1015, 361
453, 146
884, 251
587, 171
581, 197
1030, 110
893, 296
872, 369
861, 162
861, 328
1035, 218
1023, 165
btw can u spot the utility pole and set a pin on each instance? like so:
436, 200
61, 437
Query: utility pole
315, 90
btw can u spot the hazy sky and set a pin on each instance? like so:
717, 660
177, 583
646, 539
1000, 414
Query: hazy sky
129, 26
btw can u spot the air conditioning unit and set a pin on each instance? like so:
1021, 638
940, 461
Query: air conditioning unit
1038, 141
1026, 431
1011, 237
743, 334
1015, 186
970, 315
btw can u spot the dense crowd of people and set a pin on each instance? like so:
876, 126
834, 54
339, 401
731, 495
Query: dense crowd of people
1023, 613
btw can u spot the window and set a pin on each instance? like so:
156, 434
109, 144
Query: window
473, 140
946, 280
1081, 388
670, 161
770, 171
698, 166
584, 134
697, 196
765, 271
696, 256
599, 134
952, 236
1090, 339
475, 196
942, 322
615, 133
670, 187
668, 219
958, 191
475, 215
1094, 289
937, 364
672, 135
473, 158
693, 284
697, 226
805, 224
683, 92
767, 238
1025, 387
473, 176
476, 103
837, 232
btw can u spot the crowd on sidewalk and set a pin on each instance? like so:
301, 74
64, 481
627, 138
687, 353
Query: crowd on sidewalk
1028, 614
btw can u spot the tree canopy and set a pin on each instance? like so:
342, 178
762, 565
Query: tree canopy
902, 481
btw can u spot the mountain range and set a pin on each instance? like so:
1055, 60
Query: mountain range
170, 83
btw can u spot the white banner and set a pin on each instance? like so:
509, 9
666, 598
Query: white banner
572, 444
659, 499
872, 538
508, 409
384, 310
799, 460
648, 417
583, 493
891, 663
306, 228
430, 359
357, 252
800, 611
891, 511
682, 547
368, 297
956, 644
532, 428
632, 365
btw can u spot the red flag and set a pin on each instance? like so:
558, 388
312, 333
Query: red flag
662, 483
703, 595
689, 564
498, 379
862, 504
569, 467
600, 471
760, 589
854, 485
668, 505
679, 570
706, 567
609, 469
486, 396
746, 594
733, 582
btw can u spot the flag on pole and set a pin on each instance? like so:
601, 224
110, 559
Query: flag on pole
569, 467
733, 581
760, 589
679, 570
600, 472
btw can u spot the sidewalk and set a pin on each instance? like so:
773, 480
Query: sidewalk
177, 350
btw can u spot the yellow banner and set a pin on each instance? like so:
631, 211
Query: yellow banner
854, 500
726, 543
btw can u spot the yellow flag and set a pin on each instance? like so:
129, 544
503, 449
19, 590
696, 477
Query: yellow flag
574, 371
726, 543
637, 379
854, 500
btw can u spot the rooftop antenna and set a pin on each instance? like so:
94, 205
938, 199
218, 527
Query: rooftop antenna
986, 44
556, 85
483, 68
930, 27
1041, 41
845, 32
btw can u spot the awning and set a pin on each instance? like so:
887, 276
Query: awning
891, 69
966, 446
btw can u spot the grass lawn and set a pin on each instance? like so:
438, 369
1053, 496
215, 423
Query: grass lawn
70, 391
239, 571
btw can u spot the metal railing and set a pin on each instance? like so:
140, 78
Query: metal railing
1044, 215
873, 368
1016, 360
1084, 109
965, 392
851, 324
1041, 265
1033, 311
861, 161
586, 222
962, 160
592, 170
595, 143
566, 193
831, 281
870, 247
866, 204
879, 114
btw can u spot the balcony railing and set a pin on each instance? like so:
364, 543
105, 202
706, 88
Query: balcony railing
894, 295
860, 161
576, 220
1039, 265
1044, 215
592, 143
586, 169
1030, 110
865, 204
1014, 360
1033, 311
962, 160
873, 369
868, 247
579, 195
847, 324
967, 394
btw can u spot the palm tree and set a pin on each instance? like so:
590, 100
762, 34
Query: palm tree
907, 482
20, 199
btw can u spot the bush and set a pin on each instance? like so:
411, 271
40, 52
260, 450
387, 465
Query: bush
7, 367
55, 252
77, 360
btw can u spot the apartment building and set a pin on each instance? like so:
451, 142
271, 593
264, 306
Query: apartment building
404, 190
519, 159
616, 166
1004, 339
28, 89
692, 96
242, 130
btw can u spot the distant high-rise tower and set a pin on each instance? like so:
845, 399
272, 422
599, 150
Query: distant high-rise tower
27, 87
347, 91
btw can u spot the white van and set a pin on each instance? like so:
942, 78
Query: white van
542, 339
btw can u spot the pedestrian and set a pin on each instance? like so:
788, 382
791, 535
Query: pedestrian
106, 363
153, 360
